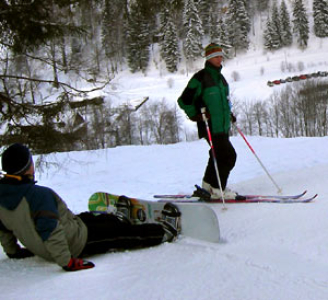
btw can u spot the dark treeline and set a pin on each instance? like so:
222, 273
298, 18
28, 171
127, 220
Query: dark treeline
83, 36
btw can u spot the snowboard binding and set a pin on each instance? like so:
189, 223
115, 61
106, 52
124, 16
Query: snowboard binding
123, 207
171, 220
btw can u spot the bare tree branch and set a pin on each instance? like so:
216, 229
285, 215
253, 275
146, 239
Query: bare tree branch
63, 84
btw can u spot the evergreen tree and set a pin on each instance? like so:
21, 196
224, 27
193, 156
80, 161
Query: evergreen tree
192, 45
239, 24
26, 25
150, 10
138, 50
204, 10
208, 11
213, 32
244, 13
111, 31
176, 8
276, 27
286, 32
169, 44
301, 24
262, 5
320, 16
106, 28
268, 33
222, 37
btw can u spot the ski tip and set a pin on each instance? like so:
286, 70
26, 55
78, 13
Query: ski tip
311, 198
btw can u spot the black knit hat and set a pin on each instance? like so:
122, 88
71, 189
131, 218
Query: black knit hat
16, 159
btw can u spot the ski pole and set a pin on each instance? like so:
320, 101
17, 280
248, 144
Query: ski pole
258, 159
203, 111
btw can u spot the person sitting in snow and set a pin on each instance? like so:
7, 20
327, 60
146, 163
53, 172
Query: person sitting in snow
41, 221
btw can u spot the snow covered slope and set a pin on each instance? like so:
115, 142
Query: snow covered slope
267, 252
247, 74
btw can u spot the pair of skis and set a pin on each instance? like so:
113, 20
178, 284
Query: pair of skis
203, 196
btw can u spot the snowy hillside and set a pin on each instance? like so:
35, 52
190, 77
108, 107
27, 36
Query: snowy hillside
247, 75
267, 252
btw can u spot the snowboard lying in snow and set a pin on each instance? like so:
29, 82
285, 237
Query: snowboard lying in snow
198, 221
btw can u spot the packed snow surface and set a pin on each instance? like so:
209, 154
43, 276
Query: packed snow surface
267, 251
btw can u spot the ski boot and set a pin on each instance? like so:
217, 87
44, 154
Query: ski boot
123, 206
227, 194
202, 192
171, 221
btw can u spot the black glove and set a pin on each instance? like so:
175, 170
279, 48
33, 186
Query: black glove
233, 118
21, 253
76, 264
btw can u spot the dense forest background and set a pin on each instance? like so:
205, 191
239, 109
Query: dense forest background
55, 54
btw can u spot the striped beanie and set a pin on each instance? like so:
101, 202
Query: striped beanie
213, 50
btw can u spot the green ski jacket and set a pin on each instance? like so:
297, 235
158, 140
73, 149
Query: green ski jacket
208, 88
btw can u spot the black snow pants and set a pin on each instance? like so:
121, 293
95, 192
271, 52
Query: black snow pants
107, 232
226, 158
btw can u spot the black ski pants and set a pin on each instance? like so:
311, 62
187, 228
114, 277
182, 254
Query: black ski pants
226, 158
107, 232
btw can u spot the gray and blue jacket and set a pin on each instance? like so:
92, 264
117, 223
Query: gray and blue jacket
40, 220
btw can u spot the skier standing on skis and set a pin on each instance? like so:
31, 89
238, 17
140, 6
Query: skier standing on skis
208, 88
40, 220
